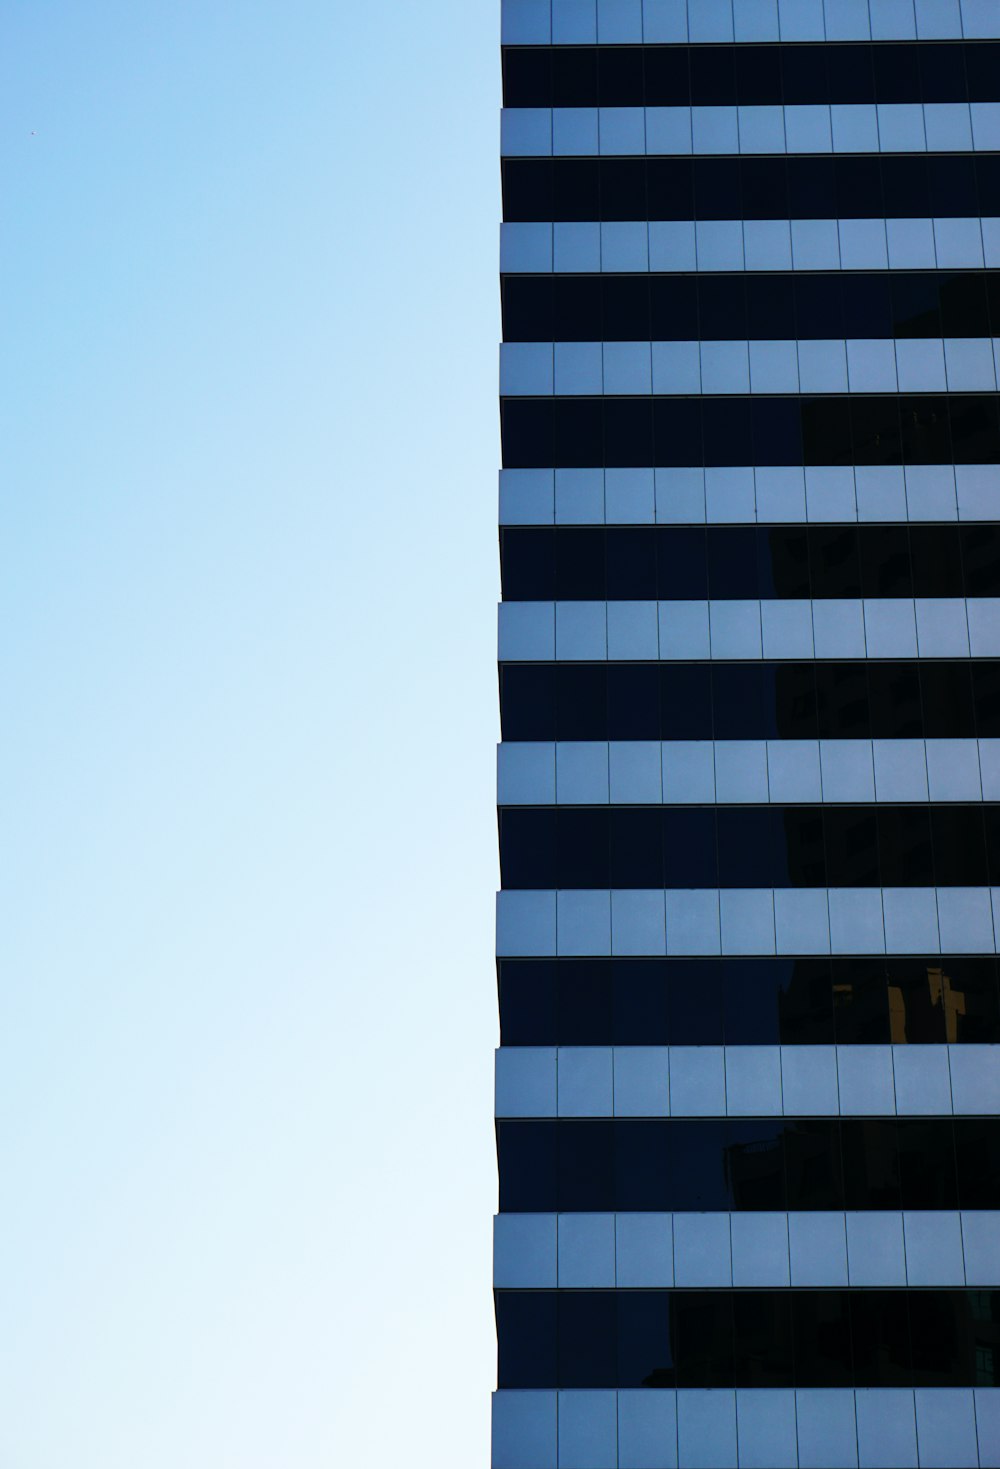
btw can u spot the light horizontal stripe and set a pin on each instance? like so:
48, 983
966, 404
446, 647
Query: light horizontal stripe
657, 22
712, 1428
679, 369
846, 627
748, 495
686, 922
878, 1248
838, 127
746, 772
748, 1081
669, 246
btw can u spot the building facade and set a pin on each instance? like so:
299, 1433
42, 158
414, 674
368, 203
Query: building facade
748, 1087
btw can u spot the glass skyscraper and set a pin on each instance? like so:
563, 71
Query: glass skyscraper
748, 1088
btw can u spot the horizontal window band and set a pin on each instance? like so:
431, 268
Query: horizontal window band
640, 563
701, 22
723, 1339
885, 430
676, 702
748, 1081
747, 629
711, 76
747, 495
783, 1428
913, 186
762, 1165
737, 368
883, 1248
920, 1000
685, 922
928, 307
912, 848
792, 773
669, 247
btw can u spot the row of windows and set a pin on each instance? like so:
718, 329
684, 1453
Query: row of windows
807, 701
676, 76
766, 1338
885, 1163
552, 847
714, 1002
578, 433
651, 563
822, 187
765, 307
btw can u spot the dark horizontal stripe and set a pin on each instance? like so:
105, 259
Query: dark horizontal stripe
635, 432
907, 186
749, 1002
647, 563
556, 847
766, 1338
797, 701
752, 1164
712, 76
764, 307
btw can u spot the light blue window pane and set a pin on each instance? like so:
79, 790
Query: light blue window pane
901, 127
574, 131
525, 1432
526, 132
969, 361
958, 243
583, 923
642, 1073
628, 368
582, 772
892, 20
525, 23
809, 1081
863, 244
701, 1250
780, 488
526, 773
911, 925
920, 365
619, 22
525, 369
815, 244
762, 129
786, 629
735, 629
900, 770
818, 1255
576, 246
855, 127
684, 630
714, 130
989, 765
680, 496
807, 129
638, 923
848, 771
526, 631
984, 626
588, 1429
756, 20
574, 22
766, 1423
645, 1257
881, 492
871, 366
720, 244
579, 496
838, 629
668, 130
801, 20
887, 1432
830, 494
647, 1426
671, 242
725, 367
676, 367
930, 492
586, 1251
942, 627
801, 921
622, 130
692, 922
923, 1083
527, 496
911, 244
753, 1076
988, 1422
524, 1251
689, 771
875, 1248
948, 126
890, 627
965, 920
946, 1426
774, 366
991, 242
953, 770
767, 244
730, 496
629, 495
933, 1247
822, 367
856, 925
741, 771
760, 1249
624, 245
938, 20
864, 1078
526, 247
581, 630
981, 1247
847, 20
747, 919
526, 1081
710, 20
986, 125
526, 924
975, 1079
706, 1429
635, 769
578, 368
697, 1084
793, 771
632, 631
980, 20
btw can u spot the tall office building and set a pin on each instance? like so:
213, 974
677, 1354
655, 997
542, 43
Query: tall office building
749, 1081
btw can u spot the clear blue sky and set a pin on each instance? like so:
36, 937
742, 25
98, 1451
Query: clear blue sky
248, 696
